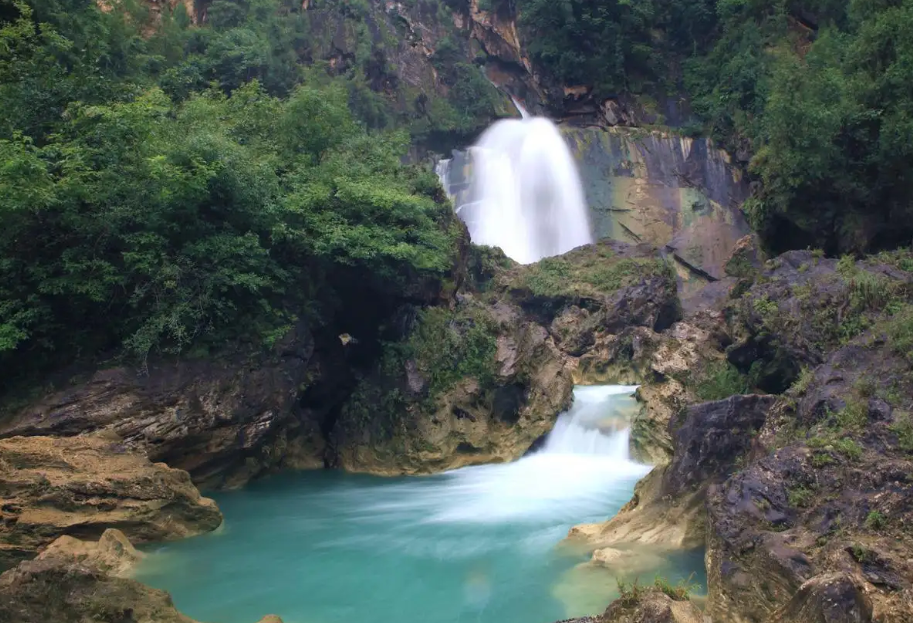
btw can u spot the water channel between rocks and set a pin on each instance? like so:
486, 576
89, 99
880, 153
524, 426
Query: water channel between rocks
477, 544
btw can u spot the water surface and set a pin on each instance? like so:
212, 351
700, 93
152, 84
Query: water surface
474, 545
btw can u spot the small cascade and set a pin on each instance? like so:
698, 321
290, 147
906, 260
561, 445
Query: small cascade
596, 424
473, 545
524, 193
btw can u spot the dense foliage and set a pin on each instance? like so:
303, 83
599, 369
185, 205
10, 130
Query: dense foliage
819, 91
170, 190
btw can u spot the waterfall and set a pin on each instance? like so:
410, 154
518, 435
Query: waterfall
596, 424
525, 194
584, 460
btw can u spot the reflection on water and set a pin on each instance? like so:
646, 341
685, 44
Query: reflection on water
476, 544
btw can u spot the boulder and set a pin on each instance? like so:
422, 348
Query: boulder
112, 553
81, 486
60, 590
831, 598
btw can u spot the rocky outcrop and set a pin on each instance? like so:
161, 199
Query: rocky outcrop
802, 306
81, 486
830, 494
482, 381
646, 605
112, 553
76, 581
224, 420
603, 287
477, 384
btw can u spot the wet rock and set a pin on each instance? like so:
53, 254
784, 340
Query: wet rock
81, 486
630, 563
270, 618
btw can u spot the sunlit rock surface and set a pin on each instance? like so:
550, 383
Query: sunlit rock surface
81, 486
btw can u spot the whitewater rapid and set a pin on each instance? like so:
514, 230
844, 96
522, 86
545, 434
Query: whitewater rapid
584, 461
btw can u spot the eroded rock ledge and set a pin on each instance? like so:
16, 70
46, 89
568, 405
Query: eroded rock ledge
81, 486
75, 581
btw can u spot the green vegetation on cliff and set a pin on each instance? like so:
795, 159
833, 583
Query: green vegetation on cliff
816, 92
165, 189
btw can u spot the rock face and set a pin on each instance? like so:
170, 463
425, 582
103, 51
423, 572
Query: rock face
478, 384
646, 605
81, 486
55, 589
831, 495
672, 192
222, 420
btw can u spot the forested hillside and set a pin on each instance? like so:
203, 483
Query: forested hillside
172, 180
818, 92
165, 187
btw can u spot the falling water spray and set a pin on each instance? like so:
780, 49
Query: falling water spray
525, 194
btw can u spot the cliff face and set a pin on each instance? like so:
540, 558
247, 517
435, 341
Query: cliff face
679, 194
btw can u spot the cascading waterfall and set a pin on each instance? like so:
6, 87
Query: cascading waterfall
525, 194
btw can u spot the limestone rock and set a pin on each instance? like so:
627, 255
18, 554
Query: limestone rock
651, 519
112, 553
224, 420
80, 486
59, 590
395, 425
